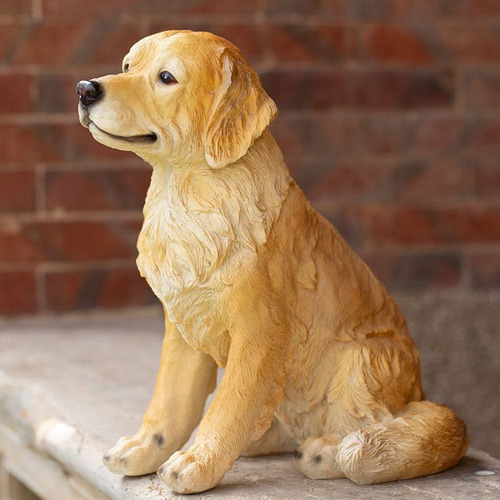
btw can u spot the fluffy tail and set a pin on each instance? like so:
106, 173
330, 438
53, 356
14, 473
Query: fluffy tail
425, 438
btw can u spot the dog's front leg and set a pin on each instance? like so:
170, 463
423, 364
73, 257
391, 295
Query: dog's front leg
241, 412
185, 378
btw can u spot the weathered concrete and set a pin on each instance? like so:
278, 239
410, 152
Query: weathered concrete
70, 387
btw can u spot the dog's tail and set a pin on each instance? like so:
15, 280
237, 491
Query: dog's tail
425, 438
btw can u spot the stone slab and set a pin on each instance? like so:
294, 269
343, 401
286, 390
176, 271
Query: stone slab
69, 387
458, 335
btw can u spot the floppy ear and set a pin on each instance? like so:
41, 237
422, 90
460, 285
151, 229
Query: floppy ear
241, 113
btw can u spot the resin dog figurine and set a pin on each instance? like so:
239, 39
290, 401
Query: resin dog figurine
318, 356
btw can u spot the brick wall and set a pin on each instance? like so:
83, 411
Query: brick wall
390, 121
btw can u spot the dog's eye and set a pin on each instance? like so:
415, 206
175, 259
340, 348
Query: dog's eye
126, 67
167, 77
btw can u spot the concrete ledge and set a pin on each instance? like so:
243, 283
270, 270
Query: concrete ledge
70, 387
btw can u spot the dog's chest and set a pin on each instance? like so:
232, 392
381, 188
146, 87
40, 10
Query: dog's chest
196, 313
181, 250
189, 292
189, 258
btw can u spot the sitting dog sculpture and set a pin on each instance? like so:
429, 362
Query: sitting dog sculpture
318, 356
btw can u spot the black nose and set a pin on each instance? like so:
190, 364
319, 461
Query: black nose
89, 92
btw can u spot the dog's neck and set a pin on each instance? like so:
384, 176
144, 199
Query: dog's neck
197, 219
260, 179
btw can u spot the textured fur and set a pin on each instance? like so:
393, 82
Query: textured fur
251, 277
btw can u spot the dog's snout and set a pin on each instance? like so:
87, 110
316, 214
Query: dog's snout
89, 91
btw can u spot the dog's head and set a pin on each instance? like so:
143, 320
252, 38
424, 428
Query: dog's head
183, 96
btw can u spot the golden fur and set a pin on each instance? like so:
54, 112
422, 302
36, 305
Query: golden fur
251, 277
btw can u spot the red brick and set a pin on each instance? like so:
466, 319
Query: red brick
391, 134
421, 181
17, 192
357, 181
429, 135
107, 44
312, 7
470, 44
473, 7
111, 8
102, 287
481, 136
372, 227
315, 137
17, 91
9, 34
346, 182
298, 43
24, 143
57, 93
366, 89
439, 42
483, 90
17, 292
396, 44
62, 290
221, 7
48, 142
57, 43
250, 38
448, 134
49, 44
487, 178
411, 9
97, 190
16, 7
68, 241
388, 9
343, 181
399, 271
485, 269
16, 167
91, 8
16, 245
466, 224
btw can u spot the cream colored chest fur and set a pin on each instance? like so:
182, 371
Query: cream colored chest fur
200, 230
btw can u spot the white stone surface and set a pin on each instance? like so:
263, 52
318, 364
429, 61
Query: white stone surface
69, 387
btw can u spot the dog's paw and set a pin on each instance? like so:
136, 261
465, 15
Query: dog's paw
316, 458
187, 472
135, 456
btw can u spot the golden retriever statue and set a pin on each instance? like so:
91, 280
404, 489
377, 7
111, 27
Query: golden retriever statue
318, 356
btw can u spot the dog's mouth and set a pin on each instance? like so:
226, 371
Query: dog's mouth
133, 139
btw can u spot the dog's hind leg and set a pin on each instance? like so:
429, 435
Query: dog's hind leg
276, 440
425, 438
317, 457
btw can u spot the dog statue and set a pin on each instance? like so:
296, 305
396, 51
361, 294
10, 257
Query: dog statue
318, 356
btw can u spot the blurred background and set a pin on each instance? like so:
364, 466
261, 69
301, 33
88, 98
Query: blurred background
389, 120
